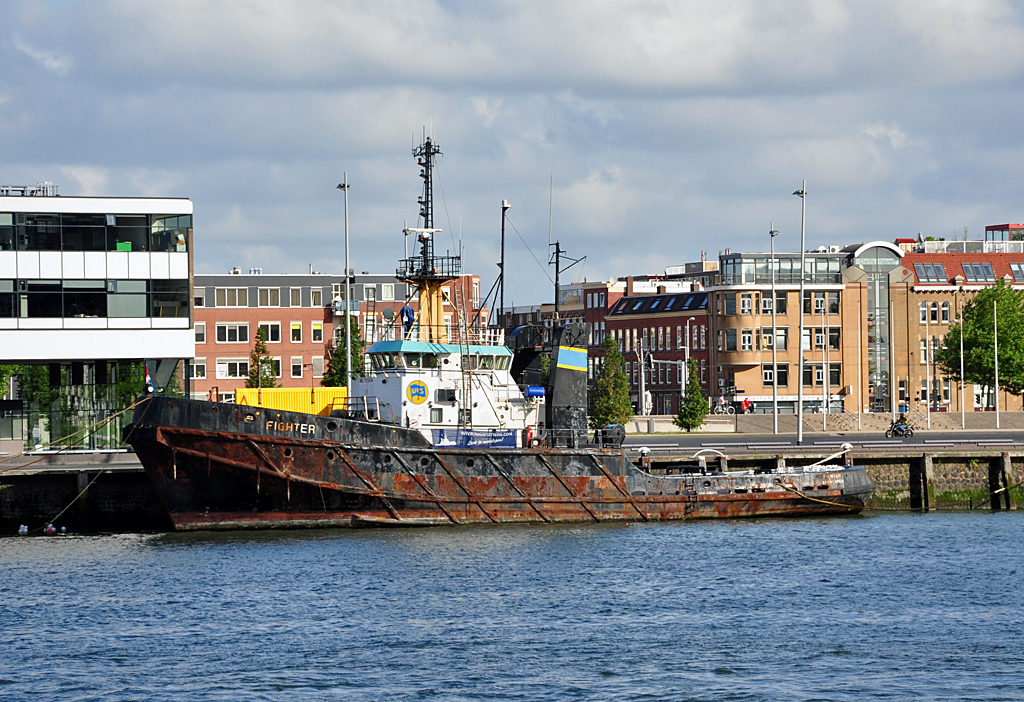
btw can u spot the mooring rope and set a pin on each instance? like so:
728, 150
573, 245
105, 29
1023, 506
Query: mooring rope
815, 499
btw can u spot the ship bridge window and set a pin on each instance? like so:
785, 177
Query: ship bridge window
385, 361
486, 362
502, 362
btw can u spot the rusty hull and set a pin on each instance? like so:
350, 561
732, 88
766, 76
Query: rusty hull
242, 467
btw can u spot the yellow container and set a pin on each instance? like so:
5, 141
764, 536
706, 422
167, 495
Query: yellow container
309, 400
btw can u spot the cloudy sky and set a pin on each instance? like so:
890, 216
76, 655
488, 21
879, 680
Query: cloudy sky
668, 127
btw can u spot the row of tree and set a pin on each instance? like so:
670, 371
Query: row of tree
262, 373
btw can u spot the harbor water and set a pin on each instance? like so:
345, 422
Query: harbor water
878, 606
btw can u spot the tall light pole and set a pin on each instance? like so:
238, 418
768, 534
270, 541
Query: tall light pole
348, 302
825, 389
802, 194
928, 363
501, 303
686, 364
963, 414
995, 324
775, 345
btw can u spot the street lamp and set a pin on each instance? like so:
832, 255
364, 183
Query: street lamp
775, 359
802, 194
686, 364
348, 302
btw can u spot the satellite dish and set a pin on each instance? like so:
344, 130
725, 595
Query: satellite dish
613, 280
389, 314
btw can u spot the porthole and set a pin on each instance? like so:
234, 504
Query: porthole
707, 483
250, 417
330, 455
387, 458
332, 426
470, 463
288, 452
424, 461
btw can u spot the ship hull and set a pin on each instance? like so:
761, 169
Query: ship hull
235, 467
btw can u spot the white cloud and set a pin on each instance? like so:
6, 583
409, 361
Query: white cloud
91, 181
50, 60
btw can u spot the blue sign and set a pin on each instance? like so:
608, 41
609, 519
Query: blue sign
475, 438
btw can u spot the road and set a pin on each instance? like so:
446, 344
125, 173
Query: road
684, 443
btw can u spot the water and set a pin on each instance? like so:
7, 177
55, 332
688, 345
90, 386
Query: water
884, 606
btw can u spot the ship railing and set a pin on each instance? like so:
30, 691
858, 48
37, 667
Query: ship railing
452, 334
367, 407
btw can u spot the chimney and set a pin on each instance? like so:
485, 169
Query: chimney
629, 286
662, 289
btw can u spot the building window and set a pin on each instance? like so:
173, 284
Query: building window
318, 332
296, 332
198, 368
730, 303
387, 292
747, 340
370, 293
296, 297
661, 338
782, 371
805, 343
296, 366
766, 304
833, 338
746, 303
833, 302
1018, 272
780, 338
835, 374
318, 366
766, 338
978, 273
945, 312
199, 297
767, 376
930, 273
923, 311
231, 333
780, 302
935, 312
275, 364
730, 339
271, 331
316, 296
702, 336
200, 332
679, 337
269, 297
232, 368
232, 297
703, 371
924, 351
819, 338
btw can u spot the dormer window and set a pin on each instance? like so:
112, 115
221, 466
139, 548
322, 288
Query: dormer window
979, 273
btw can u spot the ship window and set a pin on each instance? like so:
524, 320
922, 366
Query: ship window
436, 415
502, 362
412, 360
486, 362
429, 360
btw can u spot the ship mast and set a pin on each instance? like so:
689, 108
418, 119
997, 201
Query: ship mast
427, 271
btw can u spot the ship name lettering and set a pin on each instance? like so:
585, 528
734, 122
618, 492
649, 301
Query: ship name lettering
289, 426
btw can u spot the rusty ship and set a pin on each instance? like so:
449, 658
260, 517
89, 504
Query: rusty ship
451, 424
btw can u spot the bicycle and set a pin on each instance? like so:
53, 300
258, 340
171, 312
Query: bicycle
725, 409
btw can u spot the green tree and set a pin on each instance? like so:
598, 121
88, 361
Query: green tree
611, 404
334, 374
261, 365
978, 330
695, 407
6, 373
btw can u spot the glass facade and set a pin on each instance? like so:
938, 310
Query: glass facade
877, 262
753, 269
28, 231
94, 298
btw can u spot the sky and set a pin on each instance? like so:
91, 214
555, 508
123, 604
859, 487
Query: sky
637, 134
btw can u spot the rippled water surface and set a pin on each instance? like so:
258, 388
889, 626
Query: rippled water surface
877, 606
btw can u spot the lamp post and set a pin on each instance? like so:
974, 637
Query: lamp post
348, 301
928, 364
963, 415
995, 324
824, 364
686, 364
775, 345
802, 194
